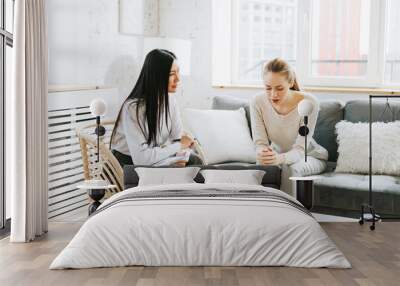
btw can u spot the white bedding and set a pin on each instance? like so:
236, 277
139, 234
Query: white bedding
183, 231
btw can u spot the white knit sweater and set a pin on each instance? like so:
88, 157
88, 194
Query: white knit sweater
281, 131
130, 140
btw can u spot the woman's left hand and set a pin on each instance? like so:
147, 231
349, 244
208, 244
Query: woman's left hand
180, 163
268, 156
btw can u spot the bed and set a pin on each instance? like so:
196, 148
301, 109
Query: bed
201, 225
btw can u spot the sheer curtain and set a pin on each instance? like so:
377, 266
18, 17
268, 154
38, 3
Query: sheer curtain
27, 123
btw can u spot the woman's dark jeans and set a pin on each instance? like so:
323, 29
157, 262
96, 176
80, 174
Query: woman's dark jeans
122, 158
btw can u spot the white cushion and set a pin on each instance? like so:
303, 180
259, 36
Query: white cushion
248, 177
224, 135
166, 176
353, 141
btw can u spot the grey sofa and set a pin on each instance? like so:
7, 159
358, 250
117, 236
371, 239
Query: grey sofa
272, 177
339, 193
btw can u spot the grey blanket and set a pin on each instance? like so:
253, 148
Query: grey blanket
207, 194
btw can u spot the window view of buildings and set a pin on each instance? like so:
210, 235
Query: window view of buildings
266, 29
340, 37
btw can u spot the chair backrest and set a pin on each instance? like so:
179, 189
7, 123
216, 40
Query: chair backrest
108, 168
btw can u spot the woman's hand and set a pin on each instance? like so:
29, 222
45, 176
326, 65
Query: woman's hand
180, 164
268, 156
186, 142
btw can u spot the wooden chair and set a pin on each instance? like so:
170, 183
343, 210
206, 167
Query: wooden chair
108, 168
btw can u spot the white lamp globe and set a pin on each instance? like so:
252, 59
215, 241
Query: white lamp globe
305, 107
98, 107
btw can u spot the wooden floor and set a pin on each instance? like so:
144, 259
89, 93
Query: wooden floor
375, 257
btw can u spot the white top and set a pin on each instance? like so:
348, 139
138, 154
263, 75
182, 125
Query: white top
130, 140
282, 131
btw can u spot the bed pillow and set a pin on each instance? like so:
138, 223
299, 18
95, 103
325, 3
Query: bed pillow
353, 149
248, 177
224, 135
166, 176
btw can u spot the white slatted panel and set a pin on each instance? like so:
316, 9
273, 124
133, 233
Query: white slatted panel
67, 111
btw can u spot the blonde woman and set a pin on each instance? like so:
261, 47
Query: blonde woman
275, 124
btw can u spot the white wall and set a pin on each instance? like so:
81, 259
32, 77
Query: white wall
86, 48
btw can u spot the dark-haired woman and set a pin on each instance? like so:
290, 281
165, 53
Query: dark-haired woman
148, 129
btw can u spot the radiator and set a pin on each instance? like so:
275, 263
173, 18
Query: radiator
68, 110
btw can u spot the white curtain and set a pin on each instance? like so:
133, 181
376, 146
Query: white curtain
27, 123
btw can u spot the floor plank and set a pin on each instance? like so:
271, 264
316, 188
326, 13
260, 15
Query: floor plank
375, 257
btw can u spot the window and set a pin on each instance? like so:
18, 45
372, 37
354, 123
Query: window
257, 39
392, 47
6, 43
328, 42
339, 36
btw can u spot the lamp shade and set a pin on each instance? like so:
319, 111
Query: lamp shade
305, 107
181, 48
98, 107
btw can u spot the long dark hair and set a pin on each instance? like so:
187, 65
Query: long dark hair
151, 91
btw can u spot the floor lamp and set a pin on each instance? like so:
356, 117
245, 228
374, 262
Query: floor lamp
97, 189
304, 185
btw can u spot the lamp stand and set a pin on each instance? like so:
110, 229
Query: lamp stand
304, 185
99, 131
303, 131
304, 192
371, 216
305, 137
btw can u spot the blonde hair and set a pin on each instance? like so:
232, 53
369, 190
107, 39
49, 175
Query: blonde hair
281, 66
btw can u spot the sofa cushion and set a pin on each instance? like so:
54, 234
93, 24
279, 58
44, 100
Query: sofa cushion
227, 102
330, 113
356, 182
358, 110
348, 191
224, 135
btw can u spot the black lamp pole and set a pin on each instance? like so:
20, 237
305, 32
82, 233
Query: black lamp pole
304, 188
305, 137
99, 131
98, 138
97, 194
303, 131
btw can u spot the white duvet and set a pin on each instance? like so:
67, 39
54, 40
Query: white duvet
183, 231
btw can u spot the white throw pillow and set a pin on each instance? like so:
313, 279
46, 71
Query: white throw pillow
166, 176
353, 141
248, 177
224, 135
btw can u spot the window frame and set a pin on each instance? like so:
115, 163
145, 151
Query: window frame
226, 12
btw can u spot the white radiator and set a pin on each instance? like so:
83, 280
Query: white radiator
68, 110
